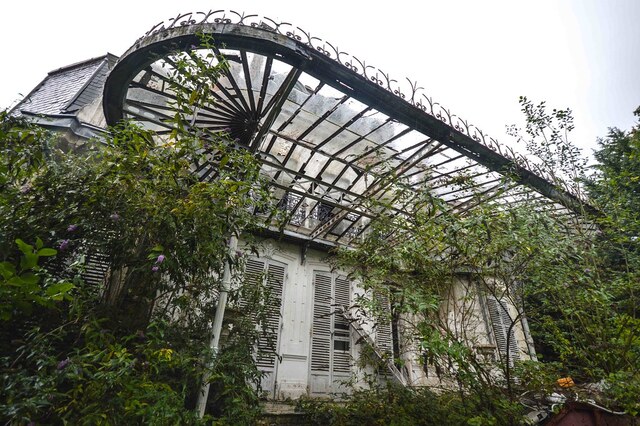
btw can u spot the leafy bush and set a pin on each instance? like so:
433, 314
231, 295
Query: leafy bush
132, 349
400, 406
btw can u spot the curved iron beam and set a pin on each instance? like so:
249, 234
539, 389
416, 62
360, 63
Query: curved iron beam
362, 82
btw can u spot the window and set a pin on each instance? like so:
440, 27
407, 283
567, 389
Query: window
503, 332
321, 212
330, 336
272, 274
384, 335
292, 203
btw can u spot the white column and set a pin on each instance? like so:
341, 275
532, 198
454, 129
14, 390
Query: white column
217, 324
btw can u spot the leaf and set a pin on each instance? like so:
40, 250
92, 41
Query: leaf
39, 243
7, 270
47, 252
24, 247
193, 97
29, 261
30, 278
59, 290
15, 281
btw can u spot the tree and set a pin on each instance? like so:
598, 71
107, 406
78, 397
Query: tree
580, 304
614, 188
131, 349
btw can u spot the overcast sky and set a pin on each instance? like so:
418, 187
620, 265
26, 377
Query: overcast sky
474, 57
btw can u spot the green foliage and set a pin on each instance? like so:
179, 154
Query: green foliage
103, 379
614, 187
547, 140
132, 350
623, 388
26, 286
400, 406
475, 250
582, 307
578, 287
435, 257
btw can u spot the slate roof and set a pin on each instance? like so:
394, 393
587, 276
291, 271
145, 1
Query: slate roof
67, 89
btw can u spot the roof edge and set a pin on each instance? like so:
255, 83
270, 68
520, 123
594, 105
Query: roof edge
105, 62
108, 56
65, 121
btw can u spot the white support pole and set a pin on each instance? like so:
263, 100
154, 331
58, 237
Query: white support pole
201, 404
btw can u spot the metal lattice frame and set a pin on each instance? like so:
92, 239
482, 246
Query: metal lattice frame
330, 130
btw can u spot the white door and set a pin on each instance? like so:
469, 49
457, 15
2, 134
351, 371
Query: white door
330, 334
272, 273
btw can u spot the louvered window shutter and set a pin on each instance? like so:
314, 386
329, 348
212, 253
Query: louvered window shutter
267, 344
96, 268
321, 333
341, 340
259, 272
501, 322
383, 327
254, 271
253, 276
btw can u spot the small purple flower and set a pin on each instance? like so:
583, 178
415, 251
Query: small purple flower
64, 244
239, 253
25, 189
226, 129
587, 271
155, 268
115, 217
62, 364
72, 228
160, 259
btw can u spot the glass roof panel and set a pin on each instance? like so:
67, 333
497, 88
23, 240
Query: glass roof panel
324, 151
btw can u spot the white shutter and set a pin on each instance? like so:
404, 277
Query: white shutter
343, 292
341, 340
321, 332
501, 322
331, 341
254, 271
383, 327
96, 268
267, 344
253, 276
341, 356
257, 272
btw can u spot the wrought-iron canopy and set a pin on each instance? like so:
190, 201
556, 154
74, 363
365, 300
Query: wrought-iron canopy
328, 128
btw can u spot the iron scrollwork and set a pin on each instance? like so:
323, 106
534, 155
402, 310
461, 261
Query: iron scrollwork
407, 90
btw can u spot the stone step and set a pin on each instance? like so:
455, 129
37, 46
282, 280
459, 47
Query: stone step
282, 414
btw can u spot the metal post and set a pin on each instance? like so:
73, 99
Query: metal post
217, 325
527, 336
